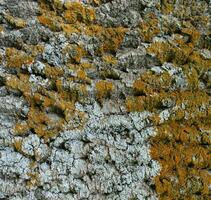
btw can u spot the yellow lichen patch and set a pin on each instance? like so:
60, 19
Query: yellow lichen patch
150, 82
180, 146
76, 12
148, 28
109, 59
167, 6
166, 52
193, 33
49, 16
177, 147
37, 119
16, 58
57, 4
33, 179
161, 50
76, 52
103, 89
82, 77
71, 28
18, 145
86, 65
33, 50
198, 62
95, 2
1, 29
20, 83
21, 128
135, 104
16, 22
51, 21
53, 72
111, 38
109, 73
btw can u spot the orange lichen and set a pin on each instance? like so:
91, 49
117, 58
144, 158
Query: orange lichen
166, 52
167, 6
177, 147
193, 33
53, 72
1, 29
109, 59
37, 118
79, 52
150, 82
76, 52
95, 2
16, 22
18, 145
21, 128
111, 38
16, 58
51, 21
148, 28
33, 179
76, 12
33, 50
70, 28
82, 77
103, 89
181, 145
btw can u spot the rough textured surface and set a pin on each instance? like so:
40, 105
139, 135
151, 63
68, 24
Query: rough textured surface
105, 99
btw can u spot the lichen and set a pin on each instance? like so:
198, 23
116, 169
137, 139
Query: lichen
15, 22
76, 12
148, 28
16, 58
103, 89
